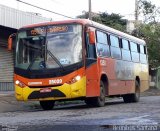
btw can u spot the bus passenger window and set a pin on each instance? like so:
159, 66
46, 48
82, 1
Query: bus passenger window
115, 49
125, 44
134, 47
143, 57
126, 55
102, 45
134, 52
114, 41
142, 49
101, 37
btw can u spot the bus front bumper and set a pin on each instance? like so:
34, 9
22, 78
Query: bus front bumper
66, 91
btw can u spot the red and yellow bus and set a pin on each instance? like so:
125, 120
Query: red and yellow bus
78, 59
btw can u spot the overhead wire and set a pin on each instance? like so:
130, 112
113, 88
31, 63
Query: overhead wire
45, 9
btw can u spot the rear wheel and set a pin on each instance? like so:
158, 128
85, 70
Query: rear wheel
100, 100
128, 98
47, 105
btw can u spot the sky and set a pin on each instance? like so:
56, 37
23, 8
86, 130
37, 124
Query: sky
73, 8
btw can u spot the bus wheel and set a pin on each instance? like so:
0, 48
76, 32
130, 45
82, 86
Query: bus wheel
47, 105
97, 101
100, 101
128, 98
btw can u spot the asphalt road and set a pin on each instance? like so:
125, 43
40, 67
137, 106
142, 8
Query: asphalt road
29, 116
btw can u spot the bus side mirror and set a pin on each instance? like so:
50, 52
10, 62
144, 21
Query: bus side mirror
91, 37
10, 41
91, 33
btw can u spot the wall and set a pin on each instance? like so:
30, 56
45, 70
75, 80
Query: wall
13, 18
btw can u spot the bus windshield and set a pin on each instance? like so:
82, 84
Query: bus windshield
49, 47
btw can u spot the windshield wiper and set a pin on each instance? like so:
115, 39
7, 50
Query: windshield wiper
30, 65
55, 59
34, 48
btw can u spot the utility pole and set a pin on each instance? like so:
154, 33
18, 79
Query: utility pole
136, 12
90, 10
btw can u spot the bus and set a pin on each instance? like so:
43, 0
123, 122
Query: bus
78, 59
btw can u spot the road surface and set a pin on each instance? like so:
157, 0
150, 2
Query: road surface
29, 116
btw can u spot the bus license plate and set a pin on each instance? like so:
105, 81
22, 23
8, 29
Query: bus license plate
45, 90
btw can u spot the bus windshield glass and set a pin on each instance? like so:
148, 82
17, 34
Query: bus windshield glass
49, 47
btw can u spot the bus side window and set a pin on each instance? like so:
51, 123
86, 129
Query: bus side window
126, 55
115, 47
143, 57
134, 52
102, 45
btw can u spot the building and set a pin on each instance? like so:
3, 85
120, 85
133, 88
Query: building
10, 20
131, 25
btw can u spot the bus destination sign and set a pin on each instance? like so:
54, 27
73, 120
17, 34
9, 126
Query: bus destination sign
51, 29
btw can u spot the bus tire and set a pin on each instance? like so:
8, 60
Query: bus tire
47, 105
129, 98
100, 100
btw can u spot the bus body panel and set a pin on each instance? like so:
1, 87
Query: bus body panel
121, 75
67, 89
92, 75
117, 82
45, 81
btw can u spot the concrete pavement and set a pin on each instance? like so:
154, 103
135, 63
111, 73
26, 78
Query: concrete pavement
8, 103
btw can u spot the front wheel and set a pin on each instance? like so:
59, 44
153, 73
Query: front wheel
100, 100
47, 105
128, 98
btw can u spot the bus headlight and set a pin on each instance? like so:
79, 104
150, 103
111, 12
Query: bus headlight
78, 78
19, 83
75, 79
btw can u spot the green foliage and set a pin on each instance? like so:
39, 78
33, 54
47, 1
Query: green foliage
111, 20
150, 33
148, 10
147, 7
114, 21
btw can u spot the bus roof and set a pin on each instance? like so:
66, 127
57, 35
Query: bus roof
94, 24
119, 33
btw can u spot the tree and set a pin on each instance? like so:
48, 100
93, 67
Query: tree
112, 20
148, 10
150, 31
